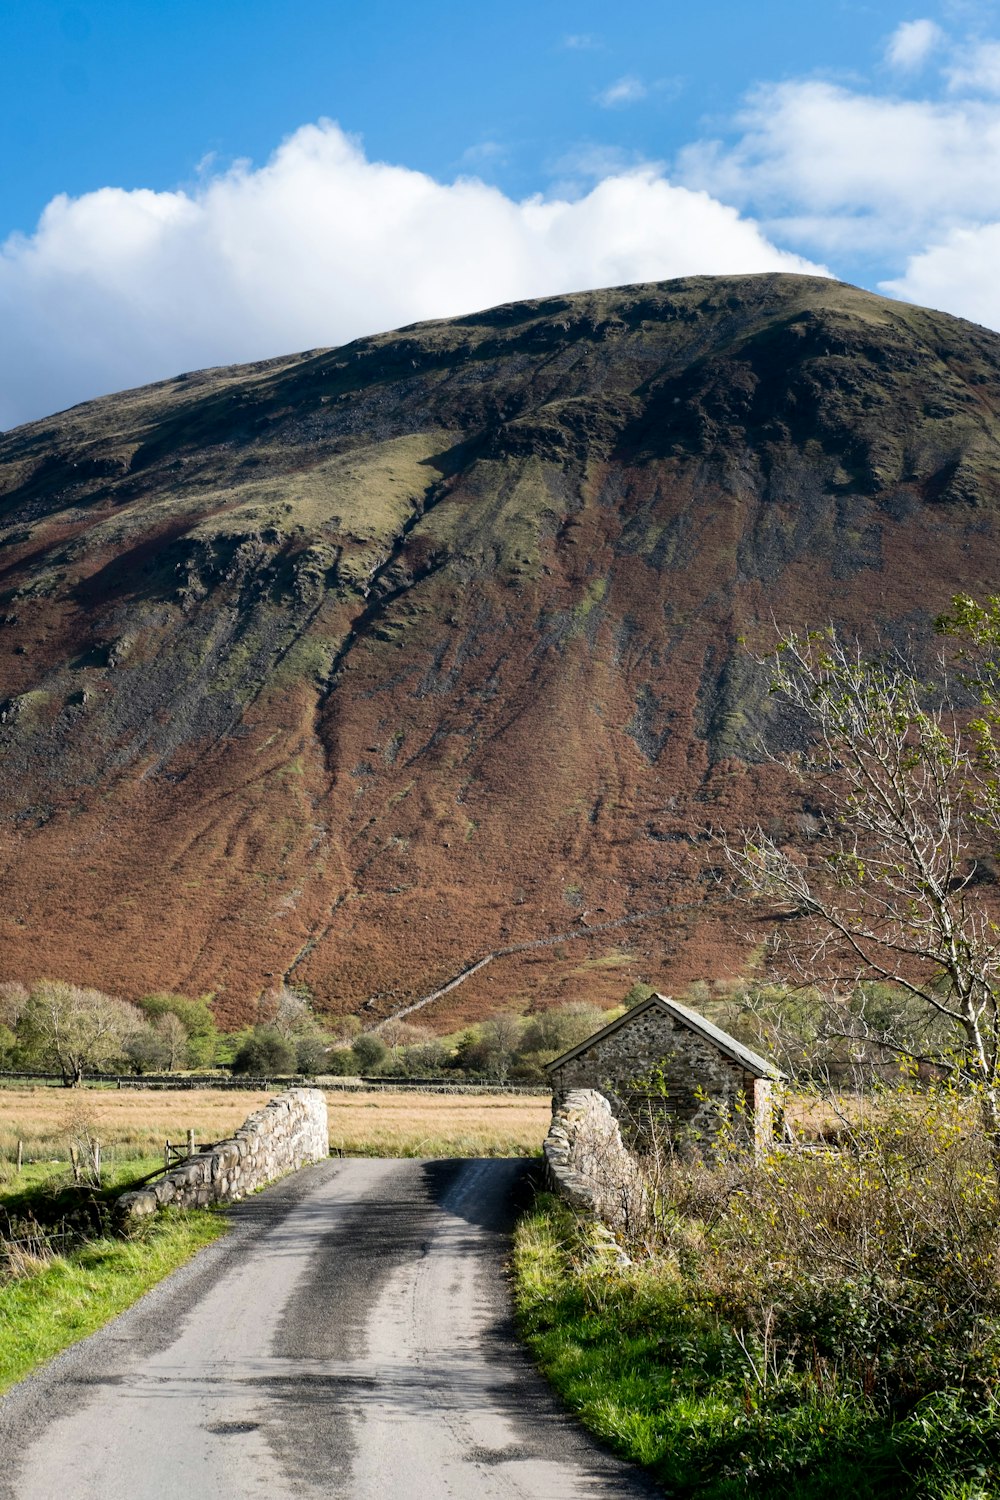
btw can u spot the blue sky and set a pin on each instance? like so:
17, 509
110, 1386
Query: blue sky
202, 183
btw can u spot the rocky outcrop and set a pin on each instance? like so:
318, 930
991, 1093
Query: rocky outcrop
587, 1163
288, 1133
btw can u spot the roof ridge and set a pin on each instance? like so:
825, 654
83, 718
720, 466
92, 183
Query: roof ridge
737, 1051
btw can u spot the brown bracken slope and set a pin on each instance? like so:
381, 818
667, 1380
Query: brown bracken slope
351, 667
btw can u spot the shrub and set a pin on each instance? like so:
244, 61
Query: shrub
311, 1055
369, 1052
825, 1322
263, 1052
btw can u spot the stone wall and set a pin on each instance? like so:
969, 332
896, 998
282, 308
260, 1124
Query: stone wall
288, 1133
586, 1162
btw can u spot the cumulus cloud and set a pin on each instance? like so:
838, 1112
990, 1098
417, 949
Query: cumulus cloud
319, 246
835, 169
911, 44
904, 189
959, 274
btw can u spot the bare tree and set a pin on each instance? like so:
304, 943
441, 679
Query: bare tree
287, 1011
501, 1035
891, 889
172, 1035
78, 1030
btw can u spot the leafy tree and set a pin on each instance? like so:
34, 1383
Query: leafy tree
311, 1054
13, 1000
8, 1046
263, 1052
502, 1037
197, 1019
891, 891
369, 1052
553, 1031
76, 1030
174, 1040
144, 1050
287, 1011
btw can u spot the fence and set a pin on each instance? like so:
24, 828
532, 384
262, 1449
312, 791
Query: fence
331, 1085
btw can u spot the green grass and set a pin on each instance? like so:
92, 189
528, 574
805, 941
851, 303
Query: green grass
19, 1191
651, 1367
73, 1295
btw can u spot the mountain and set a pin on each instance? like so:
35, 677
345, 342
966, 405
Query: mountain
352, 667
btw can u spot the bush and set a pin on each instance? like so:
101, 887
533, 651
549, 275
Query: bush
369, 1052
311, 1055
263, 1052
824, 1322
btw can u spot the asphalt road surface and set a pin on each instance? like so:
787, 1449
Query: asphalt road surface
351, 1337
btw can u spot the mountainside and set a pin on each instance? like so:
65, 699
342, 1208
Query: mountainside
352, 667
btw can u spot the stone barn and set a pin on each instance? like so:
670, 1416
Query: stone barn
705, 1080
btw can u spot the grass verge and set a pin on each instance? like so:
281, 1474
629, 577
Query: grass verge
64, 1298
653, 1367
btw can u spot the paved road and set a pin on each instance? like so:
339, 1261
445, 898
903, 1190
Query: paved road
350, 1338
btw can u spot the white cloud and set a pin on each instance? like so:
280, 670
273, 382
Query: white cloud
829, 168
584, 41
319, 246
627, 90
484, 153
976, 69
959, 274
912, 44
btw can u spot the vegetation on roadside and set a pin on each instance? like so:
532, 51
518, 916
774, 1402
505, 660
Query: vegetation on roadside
64, 1271
50, 1298
826, 1323
80, 1033
65, 1265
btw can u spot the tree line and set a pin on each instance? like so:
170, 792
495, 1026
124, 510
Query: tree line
78, 1031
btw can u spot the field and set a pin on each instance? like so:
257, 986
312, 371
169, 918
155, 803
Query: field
134, 1125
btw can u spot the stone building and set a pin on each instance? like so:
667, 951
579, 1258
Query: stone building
664, 1066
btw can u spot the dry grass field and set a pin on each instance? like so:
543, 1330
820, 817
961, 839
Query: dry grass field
439, 1124
133, 1125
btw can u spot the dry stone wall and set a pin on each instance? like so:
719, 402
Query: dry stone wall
587, 1163
289, 1132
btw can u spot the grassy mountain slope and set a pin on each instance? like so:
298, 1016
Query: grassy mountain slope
350, 667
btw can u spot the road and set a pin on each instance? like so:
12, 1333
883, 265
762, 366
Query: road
350, 1338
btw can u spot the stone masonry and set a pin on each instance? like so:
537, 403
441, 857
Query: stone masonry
587, 1164
662, 1066
289, 1132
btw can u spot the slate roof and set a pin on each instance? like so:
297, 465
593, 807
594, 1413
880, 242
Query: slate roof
751, 1061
